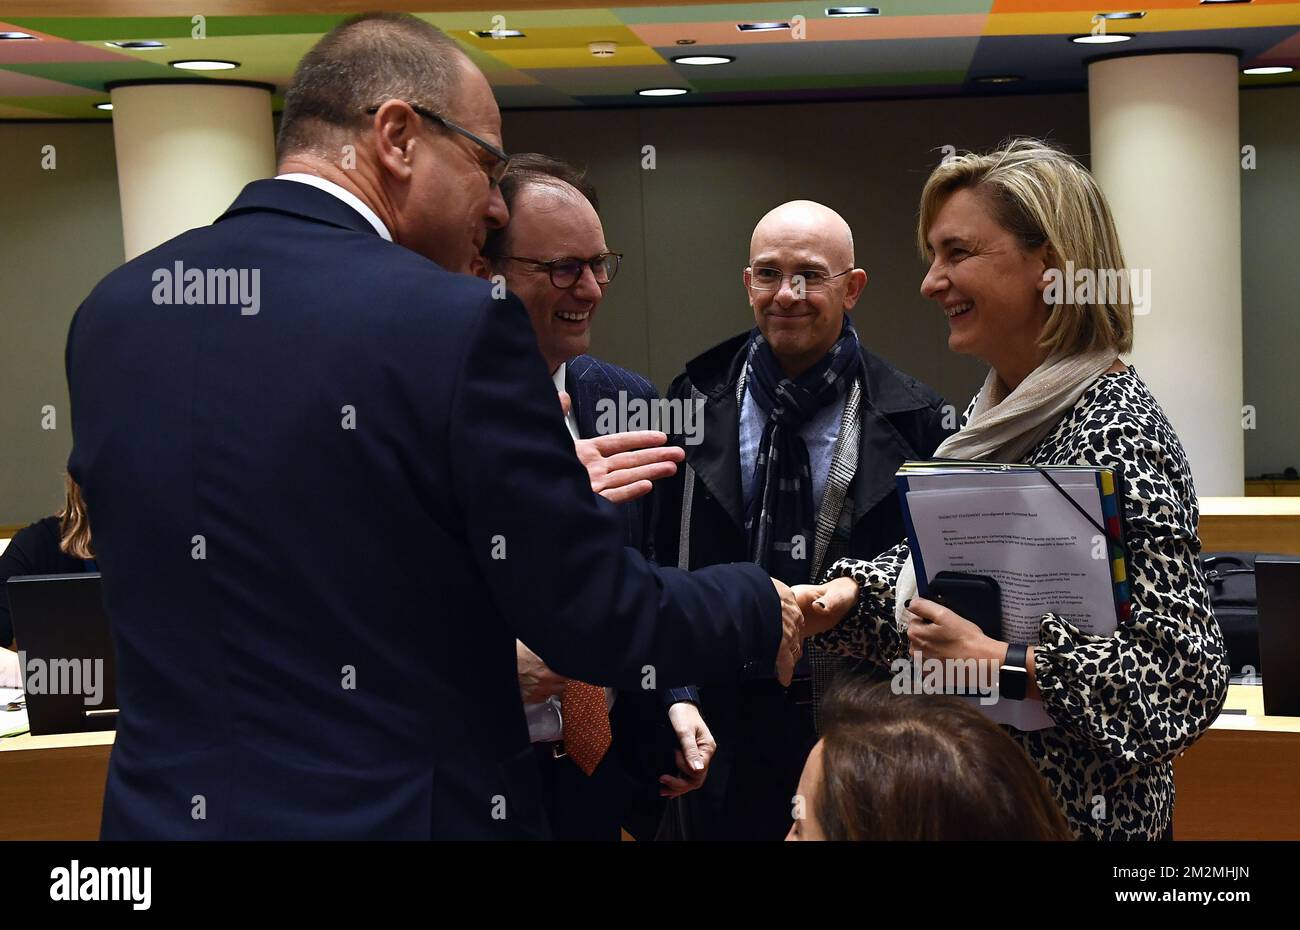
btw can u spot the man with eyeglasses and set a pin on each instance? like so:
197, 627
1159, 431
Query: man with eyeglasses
553, 256
805, 429
323, 526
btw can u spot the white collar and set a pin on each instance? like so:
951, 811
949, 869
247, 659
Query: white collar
343, 194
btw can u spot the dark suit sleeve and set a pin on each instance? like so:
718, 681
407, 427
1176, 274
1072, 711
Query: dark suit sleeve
552, 551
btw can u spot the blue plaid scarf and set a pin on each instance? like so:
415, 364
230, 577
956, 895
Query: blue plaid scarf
782, 506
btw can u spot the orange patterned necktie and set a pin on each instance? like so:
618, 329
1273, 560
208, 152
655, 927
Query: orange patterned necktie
586, 724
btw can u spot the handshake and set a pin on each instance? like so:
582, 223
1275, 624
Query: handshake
623, 467
806, 610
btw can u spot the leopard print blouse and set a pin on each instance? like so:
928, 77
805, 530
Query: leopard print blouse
1125, 705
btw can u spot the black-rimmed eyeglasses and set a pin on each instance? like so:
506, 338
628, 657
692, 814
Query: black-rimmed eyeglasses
565, 272
498, 169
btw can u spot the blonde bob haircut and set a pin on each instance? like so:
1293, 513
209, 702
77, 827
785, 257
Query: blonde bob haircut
1040, 194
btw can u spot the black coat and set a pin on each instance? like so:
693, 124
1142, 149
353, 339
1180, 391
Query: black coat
902, 419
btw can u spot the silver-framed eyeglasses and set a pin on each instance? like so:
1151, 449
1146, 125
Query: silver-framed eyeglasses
764, 278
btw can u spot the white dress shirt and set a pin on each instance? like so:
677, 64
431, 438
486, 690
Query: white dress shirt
545, 722
343, 194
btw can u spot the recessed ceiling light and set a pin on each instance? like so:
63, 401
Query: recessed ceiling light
999, 79
103, 106
1212, 2
137, 44
1137, 14
497, 33
704, 59
853, 11
685, 41
1101, 38
1269, 69
761, 27
203, 64
662, 92
16, 35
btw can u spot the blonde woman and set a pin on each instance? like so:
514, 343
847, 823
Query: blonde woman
993, 228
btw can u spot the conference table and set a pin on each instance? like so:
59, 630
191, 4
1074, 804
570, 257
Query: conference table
1240, 781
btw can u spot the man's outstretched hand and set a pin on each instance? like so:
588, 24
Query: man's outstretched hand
623, 466
792, 633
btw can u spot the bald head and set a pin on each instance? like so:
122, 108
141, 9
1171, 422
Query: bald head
808, 225
801, 281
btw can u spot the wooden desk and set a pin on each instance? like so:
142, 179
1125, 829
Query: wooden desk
1250, 524
1272, 487
1241, 780
54, 785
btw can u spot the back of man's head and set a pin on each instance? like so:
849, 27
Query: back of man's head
360, 63
533, 169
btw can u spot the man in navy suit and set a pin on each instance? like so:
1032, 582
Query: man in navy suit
553, 256
329, 490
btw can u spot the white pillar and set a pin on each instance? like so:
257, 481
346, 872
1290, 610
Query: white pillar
184, 152
1165, 150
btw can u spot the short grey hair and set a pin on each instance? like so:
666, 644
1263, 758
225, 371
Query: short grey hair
360, 63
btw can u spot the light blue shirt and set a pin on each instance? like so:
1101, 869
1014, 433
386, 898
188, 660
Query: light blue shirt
819, 434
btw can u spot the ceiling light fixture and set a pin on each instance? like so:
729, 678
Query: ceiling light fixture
1139, 14
204, 64
761, 27
853, 11
999, 79
1101, 38
704, 59
103, 106
497, 34
16, 35
1269, 69
662, 92
145, 44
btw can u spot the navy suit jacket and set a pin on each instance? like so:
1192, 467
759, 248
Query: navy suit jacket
588, 381
322, 525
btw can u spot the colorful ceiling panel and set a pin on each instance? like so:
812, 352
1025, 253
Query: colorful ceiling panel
913, 47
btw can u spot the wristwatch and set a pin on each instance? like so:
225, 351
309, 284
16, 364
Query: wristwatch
1013, 677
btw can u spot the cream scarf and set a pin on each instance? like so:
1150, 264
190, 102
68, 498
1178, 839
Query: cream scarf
1005, 428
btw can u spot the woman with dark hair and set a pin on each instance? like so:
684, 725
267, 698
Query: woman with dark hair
56, 545
918, 767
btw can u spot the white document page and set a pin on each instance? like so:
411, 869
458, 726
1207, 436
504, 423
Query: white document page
1039, 549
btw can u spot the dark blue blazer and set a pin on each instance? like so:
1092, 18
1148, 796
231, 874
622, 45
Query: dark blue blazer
588, 381
322, 525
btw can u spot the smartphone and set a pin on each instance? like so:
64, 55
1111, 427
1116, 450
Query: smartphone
975, 597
